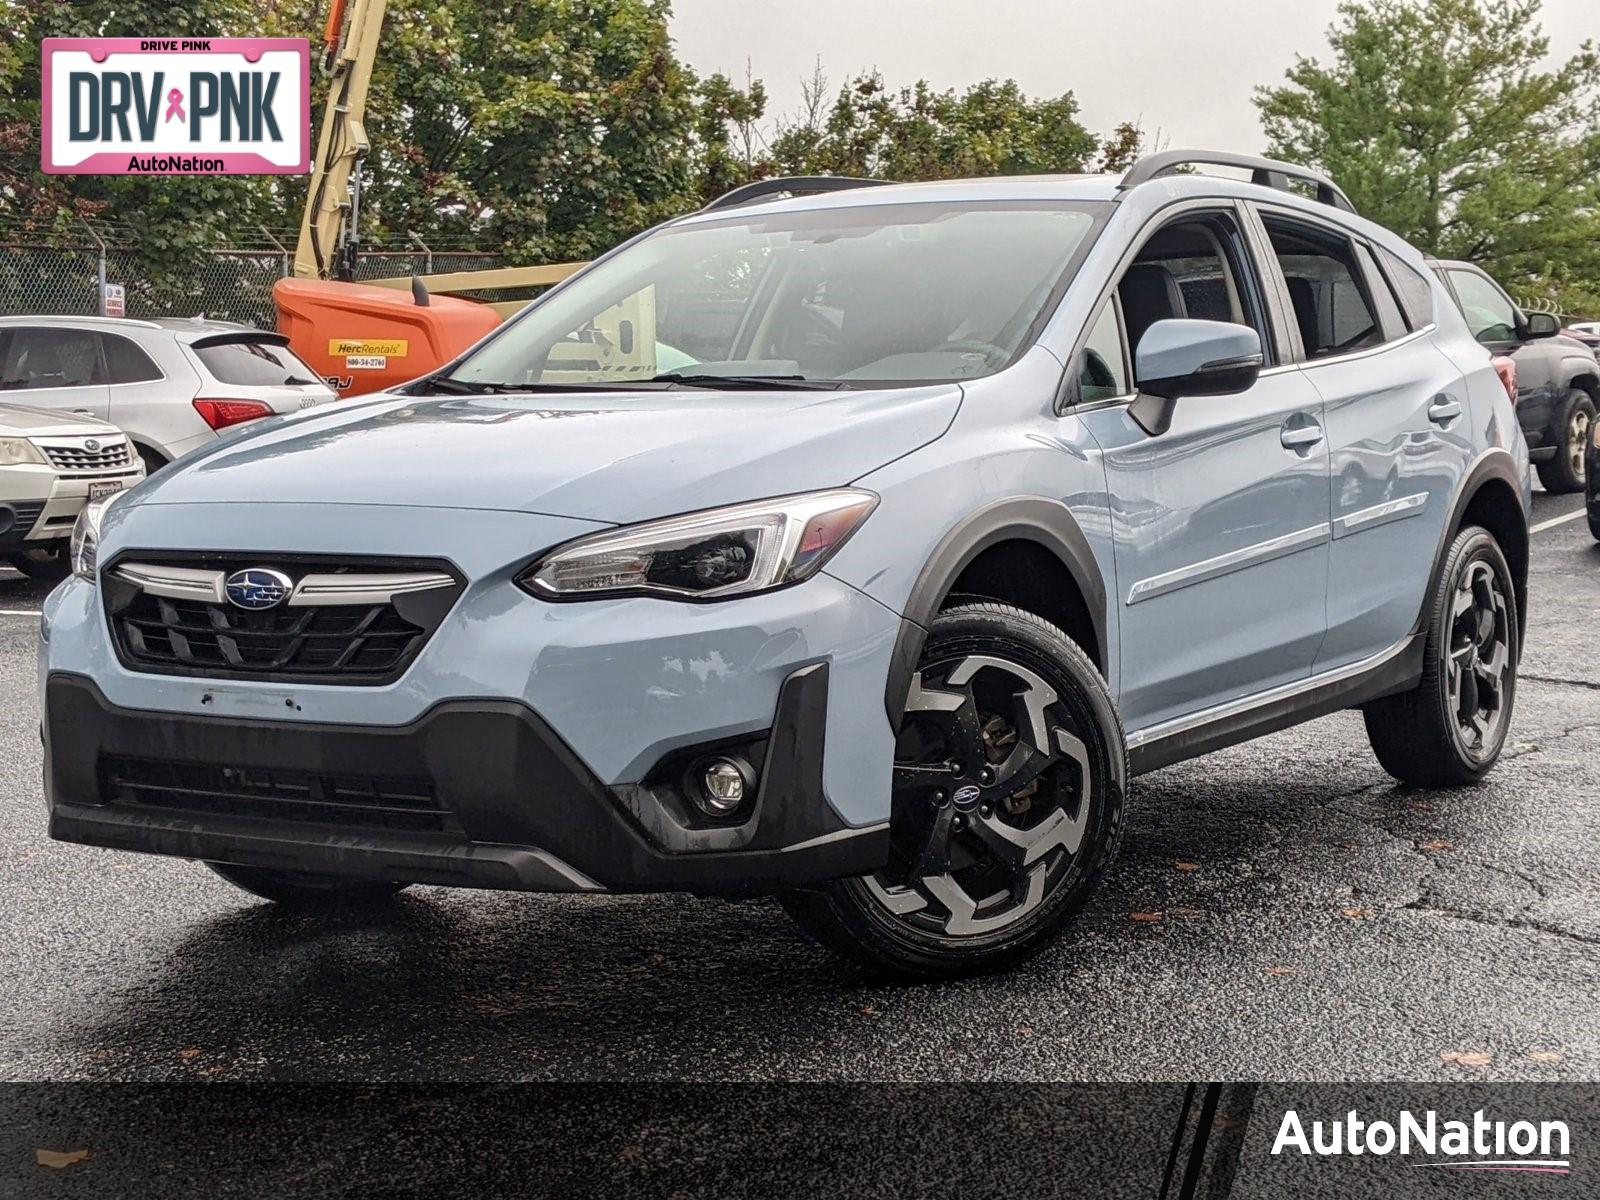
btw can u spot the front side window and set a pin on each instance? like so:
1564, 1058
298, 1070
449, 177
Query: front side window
1490, 314
892, 293
1195, 268
47, 357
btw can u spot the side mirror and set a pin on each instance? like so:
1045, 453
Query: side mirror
1183, 357
1541, 325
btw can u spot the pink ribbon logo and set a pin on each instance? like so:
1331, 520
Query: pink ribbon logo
175, 105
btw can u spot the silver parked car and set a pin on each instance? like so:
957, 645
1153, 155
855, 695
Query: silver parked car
171, 385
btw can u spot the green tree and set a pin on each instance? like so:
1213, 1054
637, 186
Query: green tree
1440, 121
992, 128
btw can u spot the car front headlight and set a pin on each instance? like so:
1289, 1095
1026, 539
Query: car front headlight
710, 555
14, 452
86, 535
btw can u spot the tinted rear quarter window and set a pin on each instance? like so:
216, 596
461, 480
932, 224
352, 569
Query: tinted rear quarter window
1412, 289
125, 362
253, 364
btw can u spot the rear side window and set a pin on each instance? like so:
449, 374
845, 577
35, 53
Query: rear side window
1326, 286
47, 357
1489, 311
253, 364
125, 362
1412, 289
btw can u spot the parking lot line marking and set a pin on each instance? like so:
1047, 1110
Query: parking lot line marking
1554, 521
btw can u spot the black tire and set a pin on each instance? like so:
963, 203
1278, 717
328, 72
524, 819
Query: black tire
1574, 426
1594, 526
153, 461
49, 563
305, 891
1421, 736
1075, 832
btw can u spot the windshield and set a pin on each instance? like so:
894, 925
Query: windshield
895, 293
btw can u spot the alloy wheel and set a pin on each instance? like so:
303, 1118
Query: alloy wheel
1479, 664
1578, 441
992, 799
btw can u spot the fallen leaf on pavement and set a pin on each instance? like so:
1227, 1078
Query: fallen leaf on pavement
59, 1158
1547, 1056
868, 1011
1178, 910
1436, 844
1186, 866
1466, 1058
1147, 918
189, 1053
1356, 914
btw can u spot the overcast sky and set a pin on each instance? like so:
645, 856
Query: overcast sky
1183, 67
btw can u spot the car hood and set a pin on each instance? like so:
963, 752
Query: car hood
604, 456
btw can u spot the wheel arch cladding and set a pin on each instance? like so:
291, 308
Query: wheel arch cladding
1026, 552
1585, 379
1491, 498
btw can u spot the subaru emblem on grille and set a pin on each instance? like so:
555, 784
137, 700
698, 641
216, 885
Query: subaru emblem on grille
257, 588
91, 444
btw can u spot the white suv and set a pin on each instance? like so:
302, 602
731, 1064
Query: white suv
171, 385
51, 464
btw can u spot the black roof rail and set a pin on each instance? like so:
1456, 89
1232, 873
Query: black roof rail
789, 185
1267, 172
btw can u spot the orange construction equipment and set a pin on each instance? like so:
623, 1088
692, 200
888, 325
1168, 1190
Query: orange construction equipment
362, 338
367, 337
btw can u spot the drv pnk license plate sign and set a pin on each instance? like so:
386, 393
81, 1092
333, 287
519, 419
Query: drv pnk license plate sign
176, 106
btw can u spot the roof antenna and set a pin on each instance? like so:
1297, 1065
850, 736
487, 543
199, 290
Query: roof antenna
419, 291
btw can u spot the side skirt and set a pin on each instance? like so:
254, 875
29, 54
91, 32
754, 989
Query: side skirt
1395, 670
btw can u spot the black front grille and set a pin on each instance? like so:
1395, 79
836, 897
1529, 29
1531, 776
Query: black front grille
324, 798
356, 644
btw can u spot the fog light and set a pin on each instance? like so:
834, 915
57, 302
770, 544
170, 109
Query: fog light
724, 785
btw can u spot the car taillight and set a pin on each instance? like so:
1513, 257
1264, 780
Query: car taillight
219, 414
1506, 368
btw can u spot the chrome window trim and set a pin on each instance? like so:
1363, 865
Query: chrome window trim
1311, 364
1227, 564
1284, 691
1380, 514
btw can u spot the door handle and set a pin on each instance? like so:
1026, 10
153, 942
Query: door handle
1300, 437
1443, 410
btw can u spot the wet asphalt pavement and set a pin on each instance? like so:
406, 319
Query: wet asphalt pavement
1281, 911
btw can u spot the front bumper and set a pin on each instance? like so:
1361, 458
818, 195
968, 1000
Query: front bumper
38, 504
513, 806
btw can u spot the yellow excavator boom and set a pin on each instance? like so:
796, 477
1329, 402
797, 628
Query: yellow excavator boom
329, 227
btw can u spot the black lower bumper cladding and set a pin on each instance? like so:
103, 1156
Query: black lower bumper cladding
517, 808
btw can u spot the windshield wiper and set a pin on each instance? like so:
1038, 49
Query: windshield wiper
749, 382
476, 387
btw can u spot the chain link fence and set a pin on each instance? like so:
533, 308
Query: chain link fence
62, 277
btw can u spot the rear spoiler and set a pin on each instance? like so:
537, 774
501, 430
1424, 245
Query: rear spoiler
241, 337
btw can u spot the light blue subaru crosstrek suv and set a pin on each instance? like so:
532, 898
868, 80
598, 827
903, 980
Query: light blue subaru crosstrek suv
851, 544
